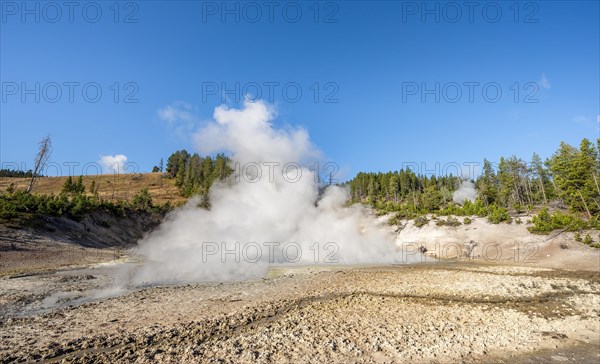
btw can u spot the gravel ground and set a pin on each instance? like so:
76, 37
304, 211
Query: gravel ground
440, 313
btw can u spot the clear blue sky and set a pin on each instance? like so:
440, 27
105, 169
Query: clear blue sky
370, 55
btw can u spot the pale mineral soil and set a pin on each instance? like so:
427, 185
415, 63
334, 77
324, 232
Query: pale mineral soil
534, 303
440, 313
482, 241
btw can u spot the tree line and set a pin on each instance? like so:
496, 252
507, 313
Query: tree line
569, 179
15, 173
403, 189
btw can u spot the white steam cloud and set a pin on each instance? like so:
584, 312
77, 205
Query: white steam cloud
466, 191
271, 215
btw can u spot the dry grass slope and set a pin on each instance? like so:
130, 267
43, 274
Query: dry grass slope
124, 186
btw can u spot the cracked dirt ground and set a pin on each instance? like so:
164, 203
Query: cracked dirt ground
439, 312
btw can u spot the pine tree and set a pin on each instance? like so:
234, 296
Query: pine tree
143, 200
394, 187
487, 184
68, 186
573, 171
539, 175
79, 188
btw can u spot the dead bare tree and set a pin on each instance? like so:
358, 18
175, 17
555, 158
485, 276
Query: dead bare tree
40, 160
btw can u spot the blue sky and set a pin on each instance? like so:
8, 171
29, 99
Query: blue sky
370, 61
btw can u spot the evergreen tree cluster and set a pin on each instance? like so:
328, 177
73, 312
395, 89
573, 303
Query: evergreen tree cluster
74, 188
72, 202
15, 173
571, 176
393, 191
194, 174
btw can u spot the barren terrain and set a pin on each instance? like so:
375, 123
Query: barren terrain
59, 303
440, 312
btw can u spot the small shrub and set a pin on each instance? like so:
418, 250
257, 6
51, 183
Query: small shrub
403, 214
544, 222
380, 212
394, 220
578, 237
519, 208
587, 240
143, 200
453, 221
497, 214
467, 221
518, 221
421, 221
7, 210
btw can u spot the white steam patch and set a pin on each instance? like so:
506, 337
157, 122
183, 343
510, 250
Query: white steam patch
466, 191
271, 215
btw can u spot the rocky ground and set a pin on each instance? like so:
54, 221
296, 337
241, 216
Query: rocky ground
441, 313
462, 303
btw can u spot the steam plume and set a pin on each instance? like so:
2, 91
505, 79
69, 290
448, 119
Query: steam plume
259, 210
466, 191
